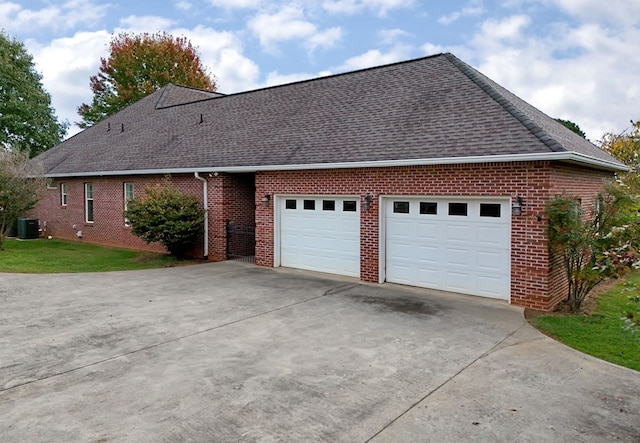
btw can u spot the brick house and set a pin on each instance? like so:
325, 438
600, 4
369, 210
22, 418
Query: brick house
423, 173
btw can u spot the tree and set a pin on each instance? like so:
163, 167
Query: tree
137, 66
27, 120
626, 148
165, 215
21, 185
597, 247
573, 126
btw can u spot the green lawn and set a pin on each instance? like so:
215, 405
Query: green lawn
53, 256
601, 334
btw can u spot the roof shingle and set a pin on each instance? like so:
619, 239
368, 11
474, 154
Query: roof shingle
431, 108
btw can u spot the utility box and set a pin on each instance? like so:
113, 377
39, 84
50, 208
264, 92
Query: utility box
28, 228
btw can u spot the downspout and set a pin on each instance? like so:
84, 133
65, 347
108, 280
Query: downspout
205, 198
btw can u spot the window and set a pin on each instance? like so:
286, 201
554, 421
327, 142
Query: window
309, 205
328, 205
290, 204
489, 210
349, 206
429, 208
128, 196
401, 207
63, 194
88, 202
458, 209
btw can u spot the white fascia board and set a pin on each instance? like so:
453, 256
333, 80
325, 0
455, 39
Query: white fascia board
571, 157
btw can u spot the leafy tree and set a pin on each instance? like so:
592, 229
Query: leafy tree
21, 185
573, 126
626, 148
166, 216
597, 247
137, 66
27, 120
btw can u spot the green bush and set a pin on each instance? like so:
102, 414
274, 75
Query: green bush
597, 247
167, 216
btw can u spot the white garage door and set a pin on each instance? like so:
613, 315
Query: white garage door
320, 234
461, 245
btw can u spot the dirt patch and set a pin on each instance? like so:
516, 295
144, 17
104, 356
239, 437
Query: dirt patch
588, 305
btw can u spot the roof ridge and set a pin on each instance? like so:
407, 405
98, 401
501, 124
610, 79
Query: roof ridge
163, 96
512, 109
168, 90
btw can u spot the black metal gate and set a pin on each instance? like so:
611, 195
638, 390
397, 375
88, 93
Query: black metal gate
241, 240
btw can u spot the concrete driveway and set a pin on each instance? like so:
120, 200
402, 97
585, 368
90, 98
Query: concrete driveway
229, 352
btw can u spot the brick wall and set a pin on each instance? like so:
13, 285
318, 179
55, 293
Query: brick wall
108, 227
533, 181
536, 282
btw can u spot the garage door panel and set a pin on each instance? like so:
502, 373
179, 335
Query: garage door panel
459, 258
318, 239
429, 255
492, 236
458, 233
488, 285
492, 261
431, 230
468, 254
430, 276
458, 281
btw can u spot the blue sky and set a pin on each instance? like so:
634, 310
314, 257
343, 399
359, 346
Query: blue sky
573, 59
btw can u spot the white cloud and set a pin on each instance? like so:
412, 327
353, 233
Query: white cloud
184, 5
236, 4
66, 65
65, 16
290, 23
618, 13
274, 78
380, 7
509, 28
375, 57
286, 24
586, 73
474, 7
324, 39
222, 52
392, 36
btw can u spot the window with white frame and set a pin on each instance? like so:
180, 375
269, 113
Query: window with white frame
63, 194
88, 202
128, 196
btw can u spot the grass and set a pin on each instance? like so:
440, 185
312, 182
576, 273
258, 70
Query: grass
43, 256
602, 333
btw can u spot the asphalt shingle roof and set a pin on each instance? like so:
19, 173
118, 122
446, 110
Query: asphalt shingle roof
430, 108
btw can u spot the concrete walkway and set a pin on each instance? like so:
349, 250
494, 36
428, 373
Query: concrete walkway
230, 352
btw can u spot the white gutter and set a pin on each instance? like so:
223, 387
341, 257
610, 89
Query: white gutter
572, 157
205, 199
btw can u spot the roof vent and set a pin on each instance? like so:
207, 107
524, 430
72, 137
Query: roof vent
201, 118
108, 126
121, 127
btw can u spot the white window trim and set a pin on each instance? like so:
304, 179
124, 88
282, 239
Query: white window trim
127, 199
86, 203
63, 194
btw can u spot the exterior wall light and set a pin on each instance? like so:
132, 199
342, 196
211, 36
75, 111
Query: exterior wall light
265, 200
516, 207
366, 202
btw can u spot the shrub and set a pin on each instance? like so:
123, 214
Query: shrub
594, 248
167, 216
